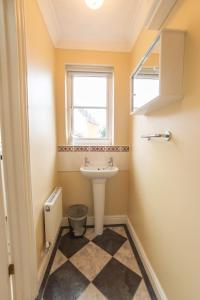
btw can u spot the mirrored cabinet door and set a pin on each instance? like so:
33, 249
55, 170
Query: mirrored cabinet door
147, 77
157, 79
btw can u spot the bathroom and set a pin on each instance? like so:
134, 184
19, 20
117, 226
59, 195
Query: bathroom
137, 171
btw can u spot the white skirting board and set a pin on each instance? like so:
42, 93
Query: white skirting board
113, 220
43, 268
45, 262
146, 263
108, 220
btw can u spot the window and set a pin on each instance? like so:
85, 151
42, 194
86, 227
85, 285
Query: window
89, 97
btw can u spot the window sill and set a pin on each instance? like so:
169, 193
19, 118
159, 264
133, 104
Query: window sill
91, 143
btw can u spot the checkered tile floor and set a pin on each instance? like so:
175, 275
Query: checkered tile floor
95, 268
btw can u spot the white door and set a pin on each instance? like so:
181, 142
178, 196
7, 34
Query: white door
15, 141
5, 280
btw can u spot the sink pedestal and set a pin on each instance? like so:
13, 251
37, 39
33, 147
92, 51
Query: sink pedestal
99, 176
99, 203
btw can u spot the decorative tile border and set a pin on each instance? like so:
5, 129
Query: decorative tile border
81, 149
93, 148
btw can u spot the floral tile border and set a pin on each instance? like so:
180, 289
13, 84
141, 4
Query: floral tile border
93, 148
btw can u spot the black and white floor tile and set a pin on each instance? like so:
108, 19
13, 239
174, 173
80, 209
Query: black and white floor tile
96, 268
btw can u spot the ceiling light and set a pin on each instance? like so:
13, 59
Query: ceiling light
94, 4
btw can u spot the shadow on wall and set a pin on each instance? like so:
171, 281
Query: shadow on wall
77, 189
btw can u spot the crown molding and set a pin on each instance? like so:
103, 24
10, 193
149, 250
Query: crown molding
95, 46
141, 18
51, 20
54, 29
159, 13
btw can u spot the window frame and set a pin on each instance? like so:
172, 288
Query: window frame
71, 72
134, 109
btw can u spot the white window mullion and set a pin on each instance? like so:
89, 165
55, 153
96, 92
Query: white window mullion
72, 107
69, 107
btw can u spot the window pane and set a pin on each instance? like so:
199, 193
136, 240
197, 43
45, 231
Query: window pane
90, 91
89, 123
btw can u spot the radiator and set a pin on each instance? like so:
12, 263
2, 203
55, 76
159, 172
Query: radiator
52, 217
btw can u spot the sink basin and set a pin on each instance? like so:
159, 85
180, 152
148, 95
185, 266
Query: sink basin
99, 175
99, 172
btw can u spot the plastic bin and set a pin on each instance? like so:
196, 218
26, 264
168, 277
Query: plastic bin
77, 216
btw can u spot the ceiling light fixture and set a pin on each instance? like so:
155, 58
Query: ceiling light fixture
94, 4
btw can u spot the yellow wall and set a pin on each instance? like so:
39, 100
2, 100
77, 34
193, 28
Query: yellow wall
120, 62
77, 189
164, 201
164, 198
152, 61
41, 110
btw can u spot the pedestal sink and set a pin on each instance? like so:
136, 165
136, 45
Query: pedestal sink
99, 175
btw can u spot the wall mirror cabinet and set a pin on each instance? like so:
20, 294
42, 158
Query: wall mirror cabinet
157, 80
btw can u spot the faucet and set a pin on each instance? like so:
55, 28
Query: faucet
86, 162
110, 162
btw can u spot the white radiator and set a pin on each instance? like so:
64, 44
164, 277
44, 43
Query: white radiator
53, 217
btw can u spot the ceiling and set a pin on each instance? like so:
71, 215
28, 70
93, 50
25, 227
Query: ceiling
114, 27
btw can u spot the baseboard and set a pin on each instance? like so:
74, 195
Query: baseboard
108, 220
114, 220
45, 262
147, 265
43, 267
